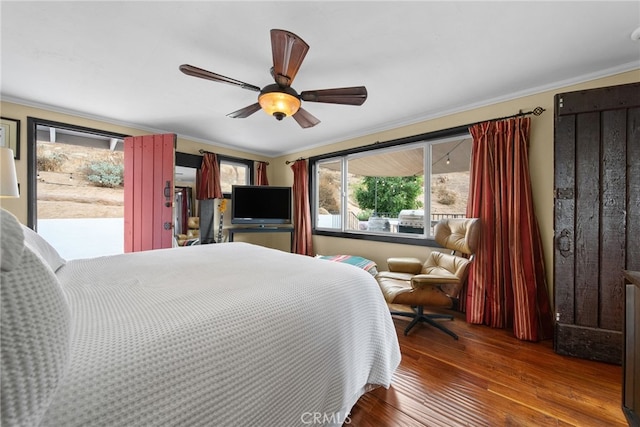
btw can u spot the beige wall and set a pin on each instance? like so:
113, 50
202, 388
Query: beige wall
541, 164
540, 160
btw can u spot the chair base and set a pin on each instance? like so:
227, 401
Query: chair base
419, 316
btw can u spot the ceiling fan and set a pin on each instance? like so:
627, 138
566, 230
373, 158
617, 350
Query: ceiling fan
279, 99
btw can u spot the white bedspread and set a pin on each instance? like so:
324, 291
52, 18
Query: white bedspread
220, 335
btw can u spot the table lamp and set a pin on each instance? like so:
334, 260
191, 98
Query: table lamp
8, 177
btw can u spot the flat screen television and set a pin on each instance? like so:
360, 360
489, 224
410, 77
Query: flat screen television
261, 204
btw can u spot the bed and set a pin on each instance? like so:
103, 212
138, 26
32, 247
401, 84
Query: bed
229, 334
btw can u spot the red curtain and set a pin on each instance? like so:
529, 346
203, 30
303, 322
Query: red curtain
261, 179
208, 178
507, 282
302, 243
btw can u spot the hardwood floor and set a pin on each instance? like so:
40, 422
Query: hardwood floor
490, 378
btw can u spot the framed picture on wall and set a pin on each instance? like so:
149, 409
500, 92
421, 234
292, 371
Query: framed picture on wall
10, 135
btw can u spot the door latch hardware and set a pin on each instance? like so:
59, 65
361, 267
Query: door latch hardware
167, 194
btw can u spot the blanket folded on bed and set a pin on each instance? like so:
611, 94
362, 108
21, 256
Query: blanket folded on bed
357, 261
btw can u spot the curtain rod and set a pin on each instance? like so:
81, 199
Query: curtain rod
201, 151
536, 112
452, 131
288, 162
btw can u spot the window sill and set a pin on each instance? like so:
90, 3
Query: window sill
425, 241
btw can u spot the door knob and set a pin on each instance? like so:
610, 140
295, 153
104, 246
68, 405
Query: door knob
563, 243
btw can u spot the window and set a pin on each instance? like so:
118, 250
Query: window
234, 171
329, 207
382, 192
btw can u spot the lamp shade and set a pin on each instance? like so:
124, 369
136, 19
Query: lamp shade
279, 102
8, 178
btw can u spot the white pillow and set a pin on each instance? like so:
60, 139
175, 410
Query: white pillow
35, 330
42, 248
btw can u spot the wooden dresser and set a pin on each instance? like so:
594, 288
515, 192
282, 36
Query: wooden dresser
631, 356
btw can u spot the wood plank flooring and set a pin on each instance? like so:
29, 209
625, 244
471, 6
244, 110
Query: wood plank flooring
489, 378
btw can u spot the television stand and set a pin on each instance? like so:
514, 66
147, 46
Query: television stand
262, 229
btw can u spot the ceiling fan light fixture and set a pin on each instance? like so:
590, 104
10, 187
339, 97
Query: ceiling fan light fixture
279, 99
279, 102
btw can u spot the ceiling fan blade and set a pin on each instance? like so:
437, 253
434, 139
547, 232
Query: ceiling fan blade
347, 95
305, 119
245, 112
190, 70
288, 52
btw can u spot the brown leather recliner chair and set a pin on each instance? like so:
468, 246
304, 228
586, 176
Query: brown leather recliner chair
438, 281
193, 232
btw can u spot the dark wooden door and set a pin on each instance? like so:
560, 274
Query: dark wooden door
149, 164
597, 217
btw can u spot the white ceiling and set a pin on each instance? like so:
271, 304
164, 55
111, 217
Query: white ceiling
118, 61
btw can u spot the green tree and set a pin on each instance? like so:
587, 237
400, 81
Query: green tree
389, 195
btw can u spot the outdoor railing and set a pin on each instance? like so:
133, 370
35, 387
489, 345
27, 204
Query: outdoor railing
353, 223
439, 216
